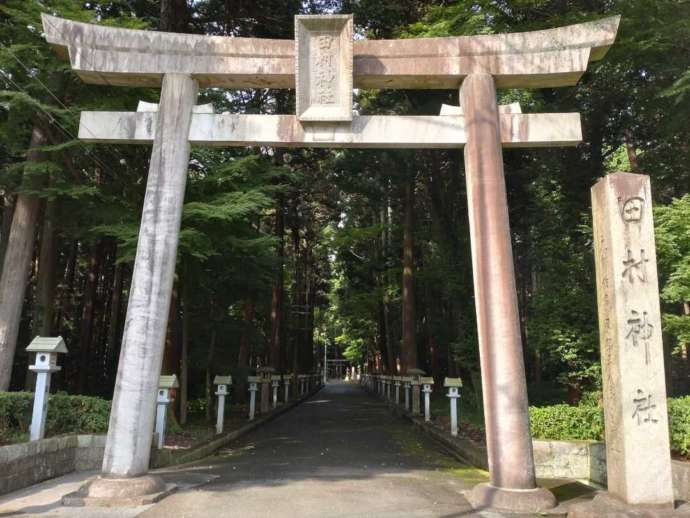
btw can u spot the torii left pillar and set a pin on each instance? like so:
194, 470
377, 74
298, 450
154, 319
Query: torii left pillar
128, 445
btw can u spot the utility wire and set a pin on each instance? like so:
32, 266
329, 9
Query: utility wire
33, 76
52, 120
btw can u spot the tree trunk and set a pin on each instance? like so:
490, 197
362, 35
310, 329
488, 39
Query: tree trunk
307, 311
16, 267
409, 341
44, 308
245, 338
87, 317
277, 317
171, 354
389, 361
297, 302
209, 374
174, 16
66, 290
112, 345
7, 213
184, 353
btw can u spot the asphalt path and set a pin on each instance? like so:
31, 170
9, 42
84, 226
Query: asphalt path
340, 453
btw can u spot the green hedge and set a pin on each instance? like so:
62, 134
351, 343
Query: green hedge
679, 418
586, 422
66, 414
565, 422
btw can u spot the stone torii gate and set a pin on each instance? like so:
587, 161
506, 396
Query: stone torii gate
324, 64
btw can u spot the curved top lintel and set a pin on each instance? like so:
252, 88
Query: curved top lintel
546, 58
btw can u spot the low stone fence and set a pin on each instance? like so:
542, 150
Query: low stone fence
586, 460
582, 460
28, 463
579, 460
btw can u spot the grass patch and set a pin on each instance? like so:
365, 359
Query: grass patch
470, 475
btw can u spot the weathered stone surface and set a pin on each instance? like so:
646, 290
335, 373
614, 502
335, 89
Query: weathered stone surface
581, 460
120, 492
504, 389
128, 446
101, 487
323, 67
488, 497
449, 109
380, 131
632, 355
24, 464
548, 58
606, 506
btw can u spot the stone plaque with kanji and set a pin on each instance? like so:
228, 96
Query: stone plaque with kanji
323, 68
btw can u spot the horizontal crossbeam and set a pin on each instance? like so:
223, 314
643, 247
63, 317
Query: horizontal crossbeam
127, 57
377, 131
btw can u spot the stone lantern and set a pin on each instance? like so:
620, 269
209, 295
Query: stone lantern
398, 382
407, 384
415, 383
222, 383
275, 384
302, 384
253, 388
47, 350
453, 385
286, 380
265, 374
427, 383
165, 384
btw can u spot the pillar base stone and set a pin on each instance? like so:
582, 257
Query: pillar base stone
605, 505
119, 492
487, 497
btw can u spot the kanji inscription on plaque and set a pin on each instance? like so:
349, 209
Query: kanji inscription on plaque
323, 74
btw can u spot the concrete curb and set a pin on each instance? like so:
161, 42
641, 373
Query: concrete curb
459, 447
595, 473
25, 464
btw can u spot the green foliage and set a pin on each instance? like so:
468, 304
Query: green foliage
197, 407
679, 420
592, 398
66, 414
586, 422
565, 422
672, 224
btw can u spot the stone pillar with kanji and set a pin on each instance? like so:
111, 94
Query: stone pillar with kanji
632, 359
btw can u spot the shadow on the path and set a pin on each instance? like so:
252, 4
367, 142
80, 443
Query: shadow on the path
339, 434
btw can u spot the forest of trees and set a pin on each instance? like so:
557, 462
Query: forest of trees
283, 251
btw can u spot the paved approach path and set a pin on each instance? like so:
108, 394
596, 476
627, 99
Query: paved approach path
340, 454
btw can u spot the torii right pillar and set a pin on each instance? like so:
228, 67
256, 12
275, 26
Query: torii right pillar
509, 445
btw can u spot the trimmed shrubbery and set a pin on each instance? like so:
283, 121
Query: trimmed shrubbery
679, 417
586, 422
565, 422
66, 414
